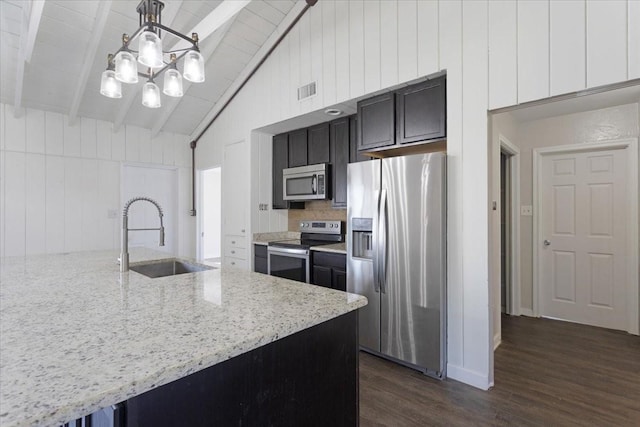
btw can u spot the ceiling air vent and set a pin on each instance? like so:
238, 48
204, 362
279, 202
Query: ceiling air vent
306, 91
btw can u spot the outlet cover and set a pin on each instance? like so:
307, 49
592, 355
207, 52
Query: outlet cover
526, 210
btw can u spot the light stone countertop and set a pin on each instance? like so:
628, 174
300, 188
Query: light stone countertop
336, 248
266, 238
76, 335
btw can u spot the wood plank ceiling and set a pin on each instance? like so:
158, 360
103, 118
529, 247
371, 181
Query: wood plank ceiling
72, 35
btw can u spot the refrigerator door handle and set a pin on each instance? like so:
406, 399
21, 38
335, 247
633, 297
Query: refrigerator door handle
376, 251
382, 241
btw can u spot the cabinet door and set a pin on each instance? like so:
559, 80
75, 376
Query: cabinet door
420, 112
280, 162
234, 190
354, 154
298, 148
339, 279
318, 144
260, 265
322, 276
339, 160
376, 122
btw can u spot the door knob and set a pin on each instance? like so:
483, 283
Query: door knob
547, 242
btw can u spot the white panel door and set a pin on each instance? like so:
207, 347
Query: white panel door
583, 265
160, 184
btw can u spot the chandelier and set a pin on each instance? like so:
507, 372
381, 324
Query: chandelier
122, 67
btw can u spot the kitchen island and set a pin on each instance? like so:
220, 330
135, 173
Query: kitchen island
76, 335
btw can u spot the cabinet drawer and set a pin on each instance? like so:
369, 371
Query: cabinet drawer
235, 241
330, 260
235, 262
234, 252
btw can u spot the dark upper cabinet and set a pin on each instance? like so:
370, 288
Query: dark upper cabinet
354, 154
421, 111
376, 119
298, 148
318, 150
339, 139
280, 161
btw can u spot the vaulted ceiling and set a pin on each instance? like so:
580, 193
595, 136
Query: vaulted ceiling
69, 41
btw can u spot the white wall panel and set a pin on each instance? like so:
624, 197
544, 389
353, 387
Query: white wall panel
315, 15
103, 139
428, 38
356, 48
168, 155
606, 42
389, 43
450, 38
533, 50
72, 145
2, 193
478, 337
157, 148
73, 189
88, 140
503, 64
14, 209
407, 40
342, 51
55, 204
371, 46
633, 45
91, 213
144, 137
2, 127
305, 58
329, 48
567, 44
285, 73
108, 229
35, 207
34, 132
14, 132
54, 133
132, 145
294, 69
119, 144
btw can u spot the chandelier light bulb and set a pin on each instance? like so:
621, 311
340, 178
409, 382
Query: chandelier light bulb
194, 67
150, 50
109, 86
172, 83
126, 67
151, 95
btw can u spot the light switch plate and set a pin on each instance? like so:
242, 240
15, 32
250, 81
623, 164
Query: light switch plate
526, 210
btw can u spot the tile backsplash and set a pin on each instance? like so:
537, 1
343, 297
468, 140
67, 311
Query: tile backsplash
315, 210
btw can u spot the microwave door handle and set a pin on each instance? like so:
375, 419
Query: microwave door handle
313, 184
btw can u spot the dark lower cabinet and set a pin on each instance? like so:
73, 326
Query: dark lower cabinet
421, 111
298, 148
339, 140
260, 259
376, 122
318, 147
329, 270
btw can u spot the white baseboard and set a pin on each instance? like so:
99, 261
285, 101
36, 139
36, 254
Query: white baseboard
497, 340
526, 312
467, 376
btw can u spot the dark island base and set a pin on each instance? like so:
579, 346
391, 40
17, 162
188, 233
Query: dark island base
306, 379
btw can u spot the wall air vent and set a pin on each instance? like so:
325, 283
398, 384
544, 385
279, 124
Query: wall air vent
306, 91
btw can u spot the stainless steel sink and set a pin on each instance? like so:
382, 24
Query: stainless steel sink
168, 267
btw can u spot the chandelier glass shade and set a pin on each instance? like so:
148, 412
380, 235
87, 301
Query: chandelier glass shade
123, 67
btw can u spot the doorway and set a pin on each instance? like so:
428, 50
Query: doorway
211, 215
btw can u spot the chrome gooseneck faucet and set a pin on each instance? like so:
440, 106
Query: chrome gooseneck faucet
124, 244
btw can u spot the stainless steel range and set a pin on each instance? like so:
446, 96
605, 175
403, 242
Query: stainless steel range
290, 258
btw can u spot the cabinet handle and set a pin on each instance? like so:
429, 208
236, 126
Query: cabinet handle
233, 242
242, 230
233, 263
233, 252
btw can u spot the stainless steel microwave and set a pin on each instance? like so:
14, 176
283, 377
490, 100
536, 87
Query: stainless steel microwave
306, 182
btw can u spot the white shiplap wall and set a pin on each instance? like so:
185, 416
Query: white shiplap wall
58, 182
496, 54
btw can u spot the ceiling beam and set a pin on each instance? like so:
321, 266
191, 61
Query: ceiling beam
169, 14
104, 7
31, 15
207, 52
251, 67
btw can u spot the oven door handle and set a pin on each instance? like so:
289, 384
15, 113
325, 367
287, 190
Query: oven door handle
313, 184
288, 251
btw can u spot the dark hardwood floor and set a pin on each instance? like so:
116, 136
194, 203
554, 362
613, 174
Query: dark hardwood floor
547, 372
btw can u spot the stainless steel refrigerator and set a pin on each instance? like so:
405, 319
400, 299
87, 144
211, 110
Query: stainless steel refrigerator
396, 257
